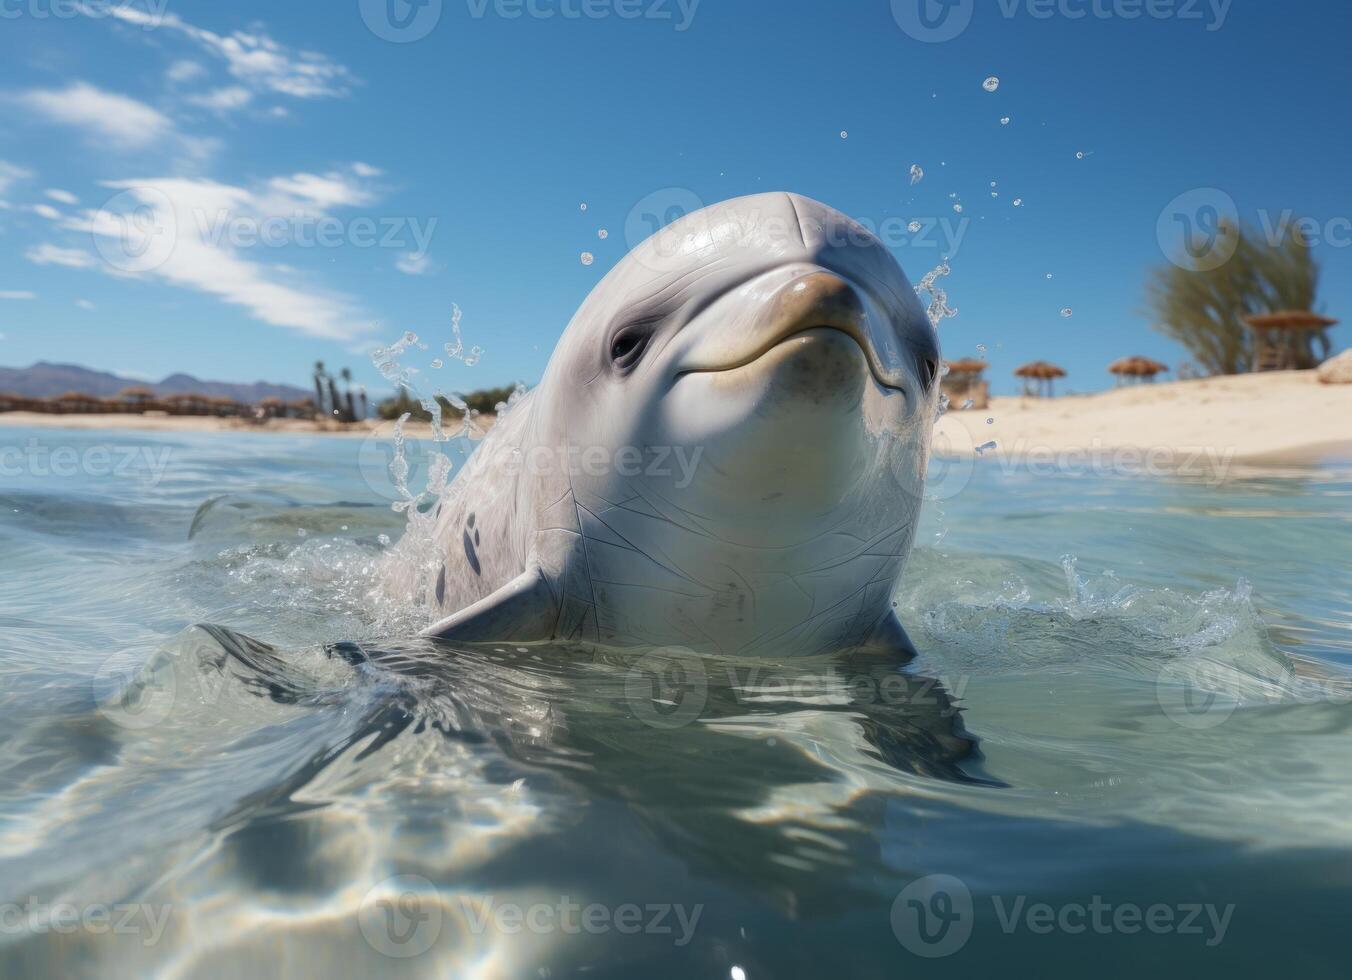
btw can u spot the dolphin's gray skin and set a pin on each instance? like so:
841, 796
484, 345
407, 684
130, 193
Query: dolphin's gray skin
726, 452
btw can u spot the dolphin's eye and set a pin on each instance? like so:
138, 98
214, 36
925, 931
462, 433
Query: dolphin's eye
628, 345
929, 370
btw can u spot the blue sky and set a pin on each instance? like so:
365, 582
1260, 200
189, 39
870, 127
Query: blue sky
452, 168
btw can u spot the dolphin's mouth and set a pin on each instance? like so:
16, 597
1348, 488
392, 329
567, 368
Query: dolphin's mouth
821, 301
799, 333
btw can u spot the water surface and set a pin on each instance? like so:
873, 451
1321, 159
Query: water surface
1131, 695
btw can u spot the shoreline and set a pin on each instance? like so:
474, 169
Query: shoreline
1275, 419
129, 422
1285, 418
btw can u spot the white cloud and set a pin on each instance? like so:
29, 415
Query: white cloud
17, 294
71, 258
366, 170
191, 251
84, 304
323, 191
63, 197
45, 211
116, 118
223, 99
185, 70
254, 58
11, 174
413, 264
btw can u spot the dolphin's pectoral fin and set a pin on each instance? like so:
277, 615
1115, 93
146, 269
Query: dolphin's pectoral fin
888, 638
523, 610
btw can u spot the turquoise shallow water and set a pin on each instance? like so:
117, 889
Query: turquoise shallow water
1125, 746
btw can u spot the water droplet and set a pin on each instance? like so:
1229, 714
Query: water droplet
436, 362
981, 348
991, 84
913, 227
990, 421
302, 533
984, 448
917, 174
1079, 155
1067, 312
602, 234
1049, 275
957, 208
583, 206
1004, 120
844, 135
1018, 202
588, 258
968, 404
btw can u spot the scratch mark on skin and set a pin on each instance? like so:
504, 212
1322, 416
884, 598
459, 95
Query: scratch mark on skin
665, 565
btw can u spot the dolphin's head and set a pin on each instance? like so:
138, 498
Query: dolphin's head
776, 337
750, 396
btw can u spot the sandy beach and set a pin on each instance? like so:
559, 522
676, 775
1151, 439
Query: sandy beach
1281, 418
153, 422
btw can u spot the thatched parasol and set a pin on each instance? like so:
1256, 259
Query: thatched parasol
136, 394
1138, 367
963, 385
1276, 337
966, 365
75, 401
1042, 372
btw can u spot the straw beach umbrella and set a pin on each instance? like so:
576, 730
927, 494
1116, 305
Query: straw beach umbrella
1042, 373
963, 383
76, 403
1278, 338
1136, 368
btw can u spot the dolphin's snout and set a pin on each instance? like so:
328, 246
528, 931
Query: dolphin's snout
820, 299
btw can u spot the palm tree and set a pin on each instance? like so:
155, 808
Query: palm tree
1203, 307
319, 387
351, 414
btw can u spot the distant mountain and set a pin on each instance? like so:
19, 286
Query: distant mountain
47, 380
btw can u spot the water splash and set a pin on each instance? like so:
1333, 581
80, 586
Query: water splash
939, 310
917, 174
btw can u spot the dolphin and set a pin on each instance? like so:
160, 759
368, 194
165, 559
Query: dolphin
725, 454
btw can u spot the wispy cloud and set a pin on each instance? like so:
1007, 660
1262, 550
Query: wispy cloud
323, 191
225, 99
11, 174
168, 229
84, 304
45, 211
17, 294
185, 70
254, 58
413, 264
71, 258
62, 197
125, 122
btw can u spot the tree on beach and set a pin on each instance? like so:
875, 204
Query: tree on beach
319, 388
1201, 302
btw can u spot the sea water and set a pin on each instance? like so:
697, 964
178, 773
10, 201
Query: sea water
1125, 746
